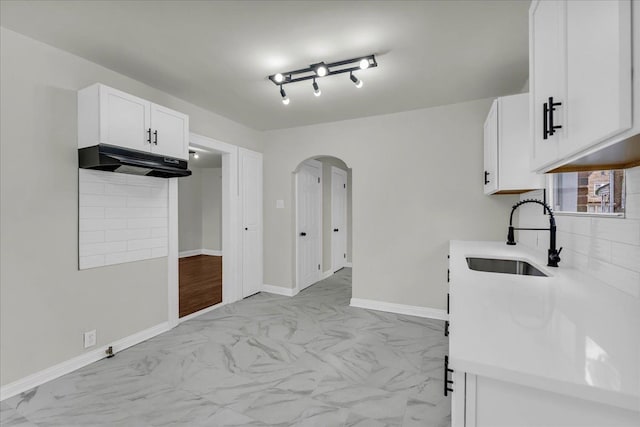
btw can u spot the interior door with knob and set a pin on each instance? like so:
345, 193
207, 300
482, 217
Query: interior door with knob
309, 223
169, 132
251, 212
338, 218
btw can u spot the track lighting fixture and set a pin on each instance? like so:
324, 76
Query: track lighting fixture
316, 89
356, 81
320, 70
285, 98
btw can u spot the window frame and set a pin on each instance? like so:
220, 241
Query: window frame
550, 196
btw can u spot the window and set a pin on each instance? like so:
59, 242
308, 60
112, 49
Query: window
594, 192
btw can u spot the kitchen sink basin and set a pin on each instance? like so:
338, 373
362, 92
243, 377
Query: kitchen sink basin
507, 266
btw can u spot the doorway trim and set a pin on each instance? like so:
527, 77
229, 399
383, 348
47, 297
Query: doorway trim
345, 174
230, 230
318, 164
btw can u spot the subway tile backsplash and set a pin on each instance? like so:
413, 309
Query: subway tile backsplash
605, 248
122, 218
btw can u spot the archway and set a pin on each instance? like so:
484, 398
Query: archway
322, 219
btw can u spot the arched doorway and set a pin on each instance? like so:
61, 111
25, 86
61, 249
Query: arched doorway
322, 218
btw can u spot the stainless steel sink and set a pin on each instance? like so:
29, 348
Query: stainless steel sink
508, 266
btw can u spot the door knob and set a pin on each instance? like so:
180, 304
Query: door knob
336, 230
303, 234
246, 229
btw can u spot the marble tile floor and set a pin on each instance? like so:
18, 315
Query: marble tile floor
267, 360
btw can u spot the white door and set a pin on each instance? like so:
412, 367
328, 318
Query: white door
309, 223
125, 120
338, 218
547, 70
170, 132
251, 213
598, 72
491, 150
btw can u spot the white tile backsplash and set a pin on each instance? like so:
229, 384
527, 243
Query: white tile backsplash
122, 218
605, 248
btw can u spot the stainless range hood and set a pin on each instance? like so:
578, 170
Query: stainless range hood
122, 160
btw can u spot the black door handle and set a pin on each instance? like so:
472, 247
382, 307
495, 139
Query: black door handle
303, 234
486, 174
335, 230
155, 140
447, 381
246, 229
149, 135
547, 115
545, 120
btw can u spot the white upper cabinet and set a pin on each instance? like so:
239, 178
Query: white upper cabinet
109, 116
581, 83
506, 139
170, 132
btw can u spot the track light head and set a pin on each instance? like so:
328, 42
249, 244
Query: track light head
321, 70
356, 81
279, 78
196, 156
285, 98
316, 89
364, 63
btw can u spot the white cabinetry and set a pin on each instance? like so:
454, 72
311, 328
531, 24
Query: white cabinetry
109, 116
580, 80
479, 401
506, 138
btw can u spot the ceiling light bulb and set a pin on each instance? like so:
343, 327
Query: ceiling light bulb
322, 70
356, 81
278, 78
364, 64
285, 98
316, 89
196, 156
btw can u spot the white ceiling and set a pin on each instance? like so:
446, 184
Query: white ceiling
217, 54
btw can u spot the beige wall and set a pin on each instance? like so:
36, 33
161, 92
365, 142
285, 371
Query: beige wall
416, 184
45, 302
212, 208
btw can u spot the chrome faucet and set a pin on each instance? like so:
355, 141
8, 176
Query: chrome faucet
553, 255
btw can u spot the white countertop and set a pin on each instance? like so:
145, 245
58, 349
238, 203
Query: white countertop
567, 333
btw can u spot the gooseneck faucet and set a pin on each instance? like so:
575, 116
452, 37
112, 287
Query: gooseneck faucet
553, 255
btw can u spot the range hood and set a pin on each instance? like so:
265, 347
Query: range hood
122, 160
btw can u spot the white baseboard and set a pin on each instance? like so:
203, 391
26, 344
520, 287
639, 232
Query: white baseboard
49, 374
201, 312
348, 264
326, 274
195, 252
411, 310
279, 290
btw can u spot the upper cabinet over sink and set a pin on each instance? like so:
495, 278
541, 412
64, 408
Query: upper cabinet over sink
506, 138
582, 92
109, 116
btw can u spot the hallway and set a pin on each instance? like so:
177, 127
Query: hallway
266, 360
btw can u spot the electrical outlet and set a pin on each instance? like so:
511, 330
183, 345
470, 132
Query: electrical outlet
89, 339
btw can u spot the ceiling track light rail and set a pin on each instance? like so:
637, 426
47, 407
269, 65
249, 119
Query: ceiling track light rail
320, 70
314, 71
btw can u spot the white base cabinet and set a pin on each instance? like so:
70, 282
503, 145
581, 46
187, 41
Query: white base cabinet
506, 140
479, 401
110, 116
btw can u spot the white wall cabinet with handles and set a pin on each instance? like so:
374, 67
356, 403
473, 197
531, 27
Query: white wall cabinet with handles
110, 116
506, 138
580, 59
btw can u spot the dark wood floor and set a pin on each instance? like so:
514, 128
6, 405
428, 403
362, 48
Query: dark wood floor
200, 283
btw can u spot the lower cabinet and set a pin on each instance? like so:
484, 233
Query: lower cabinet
478, 401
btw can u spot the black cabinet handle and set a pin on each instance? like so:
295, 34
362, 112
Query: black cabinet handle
486, 175
447, 381
447, 302
446, 328
335, 230
155, 134
303, 234
547, 114
149, 135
